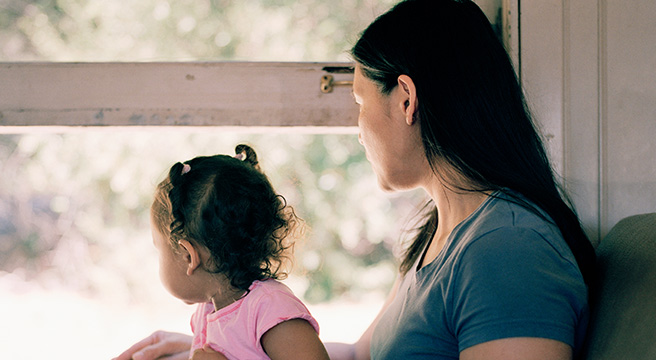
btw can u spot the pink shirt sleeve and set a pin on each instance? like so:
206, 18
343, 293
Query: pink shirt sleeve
276, 305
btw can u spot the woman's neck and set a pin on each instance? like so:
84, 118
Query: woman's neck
453, 207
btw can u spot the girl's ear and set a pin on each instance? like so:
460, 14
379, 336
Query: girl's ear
191, 255
407, 98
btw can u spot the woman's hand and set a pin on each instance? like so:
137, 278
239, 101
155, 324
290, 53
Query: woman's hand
160, 343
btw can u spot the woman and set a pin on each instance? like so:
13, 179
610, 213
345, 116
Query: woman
500, 268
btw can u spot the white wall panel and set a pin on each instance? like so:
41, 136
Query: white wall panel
589, 68
630, 108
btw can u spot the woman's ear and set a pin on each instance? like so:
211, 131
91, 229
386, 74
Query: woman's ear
191, 255
408, 97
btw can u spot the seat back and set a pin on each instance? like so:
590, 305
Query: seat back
623, 316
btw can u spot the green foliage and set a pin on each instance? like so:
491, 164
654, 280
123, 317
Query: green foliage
161, 30
75, 207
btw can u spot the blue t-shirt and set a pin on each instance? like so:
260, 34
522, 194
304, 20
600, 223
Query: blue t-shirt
503, 272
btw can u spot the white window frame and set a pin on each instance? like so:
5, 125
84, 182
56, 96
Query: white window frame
251, 96
226, 94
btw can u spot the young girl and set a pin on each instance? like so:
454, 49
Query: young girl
223, 234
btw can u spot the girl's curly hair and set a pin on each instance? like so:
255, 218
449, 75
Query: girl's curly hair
228, 205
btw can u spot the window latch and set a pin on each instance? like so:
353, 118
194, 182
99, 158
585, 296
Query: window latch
328, 81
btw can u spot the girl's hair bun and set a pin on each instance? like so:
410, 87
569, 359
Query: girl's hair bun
248, 155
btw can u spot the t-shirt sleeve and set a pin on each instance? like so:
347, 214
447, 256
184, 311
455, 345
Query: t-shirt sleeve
512, 282
276, 306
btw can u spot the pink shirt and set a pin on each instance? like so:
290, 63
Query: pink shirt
236, 329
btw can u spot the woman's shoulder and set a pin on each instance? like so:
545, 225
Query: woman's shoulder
509, 222
510, 210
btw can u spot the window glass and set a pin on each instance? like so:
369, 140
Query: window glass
187, 30
78, 272
77, 256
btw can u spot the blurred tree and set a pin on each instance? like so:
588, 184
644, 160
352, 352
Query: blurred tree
74, 206
162, 30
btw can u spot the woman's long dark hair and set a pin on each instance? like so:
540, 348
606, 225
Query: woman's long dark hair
471, 109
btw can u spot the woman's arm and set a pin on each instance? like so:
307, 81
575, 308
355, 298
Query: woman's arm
360, 350
523, 348
159, 343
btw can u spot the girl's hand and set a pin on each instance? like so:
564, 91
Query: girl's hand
160, 343
206, 353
